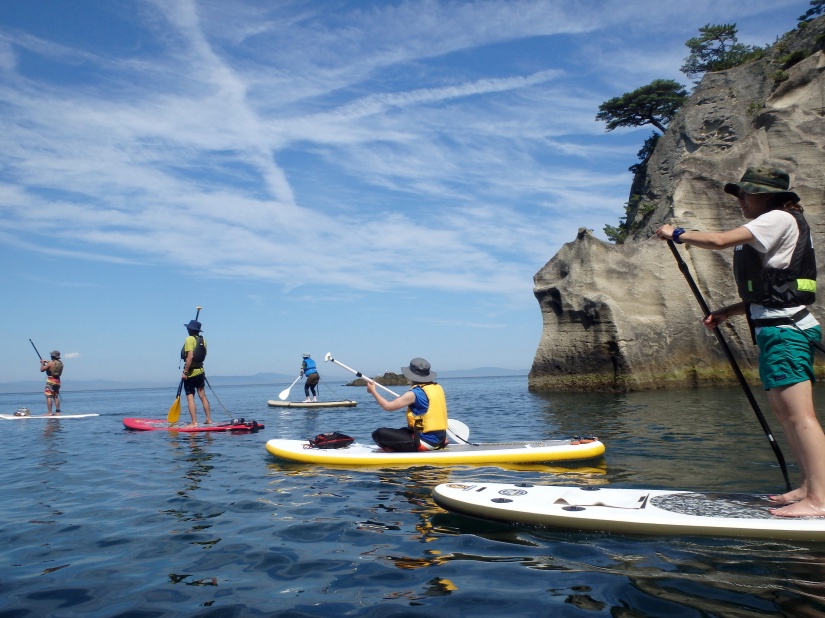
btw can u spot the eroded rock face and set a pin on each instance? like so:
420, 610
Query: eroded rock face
622, 317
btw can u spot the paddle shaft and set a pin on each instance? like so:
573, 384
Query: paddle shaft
361, 375
741, 378
285, 393
35, 349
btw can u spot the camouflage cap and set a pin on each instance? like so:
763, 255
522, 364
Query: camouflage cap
762, 180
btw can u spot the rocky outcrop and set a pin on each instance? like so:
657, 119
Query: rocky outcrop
388, 379
622, 317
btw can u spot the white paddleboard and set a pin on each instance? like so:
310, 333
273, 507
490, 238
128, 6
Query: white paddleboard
347, 403
627, 511
356, 454
12, 417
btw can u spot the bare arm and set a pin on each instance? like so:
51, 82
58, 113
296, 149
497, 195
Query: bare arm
396, 404
720, 315
708, 240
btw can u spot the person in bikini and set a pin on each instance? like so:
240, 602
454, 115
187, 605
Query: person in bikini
775, 273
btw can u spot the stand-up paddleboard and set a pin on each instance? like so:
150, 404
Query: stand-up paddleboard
146, 424
627, 511
356, 454
346, 403
14, 417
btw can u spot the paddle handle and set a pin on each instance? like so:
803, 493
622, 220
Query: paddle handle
35, 349
328, 357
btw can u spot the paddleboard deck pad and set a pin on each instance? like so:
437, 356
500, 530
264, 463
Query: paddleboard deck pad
627, 511
14, 417
347, 403
236, 426
537, 451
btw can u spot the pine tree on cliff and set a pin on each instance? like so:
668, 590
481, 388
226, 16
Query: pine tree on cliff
654, 104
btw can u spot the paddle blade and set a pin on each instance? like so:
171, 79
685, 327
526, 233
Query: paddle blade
284, 393
457, 430
174, 410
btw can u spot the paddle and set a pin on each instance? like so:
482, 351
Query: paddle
456, 430
742, 382
174, 410
285, 393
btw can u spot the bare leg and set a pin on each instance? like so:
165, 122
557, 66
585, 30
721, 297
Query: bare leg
793, 406
49, 405
190, 403
207, 410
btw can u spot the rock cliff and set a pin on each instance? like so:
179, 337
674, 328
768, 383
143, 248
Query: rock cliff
622, 317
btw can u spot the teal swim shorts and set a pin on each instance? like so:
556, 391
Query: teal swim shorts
786, 355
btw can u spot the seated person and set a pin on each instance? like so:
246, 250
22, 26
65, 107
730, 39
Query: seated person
426, 406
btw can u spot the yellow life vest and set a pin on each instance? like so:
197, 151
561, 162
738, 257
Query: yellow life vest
435, 419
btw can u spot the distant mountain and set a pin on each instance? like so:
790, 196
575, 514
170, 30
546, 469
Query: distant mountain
29, 386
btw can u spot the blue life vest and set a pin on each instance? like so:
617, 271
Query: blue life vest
309, 367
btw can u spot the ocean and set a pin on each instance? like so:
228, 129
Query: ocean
102, 521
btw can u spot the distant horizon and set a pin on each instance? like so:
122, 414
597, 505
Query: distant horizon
26, 386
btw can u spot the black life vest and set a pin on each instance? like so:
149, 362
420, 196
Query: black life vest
198, 354
778, 287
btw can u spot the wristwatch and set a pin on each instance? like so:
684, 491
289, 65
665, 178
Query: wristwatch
677, 233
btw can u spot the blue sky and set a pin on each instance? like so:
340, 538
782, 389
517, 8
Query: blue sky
380, 180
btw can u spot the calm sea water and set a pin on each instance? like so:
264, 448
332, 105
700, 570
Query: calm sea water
102, 521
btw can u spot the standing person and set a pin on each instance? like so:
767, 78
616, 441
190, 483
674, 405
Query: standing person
53, 369
426, 405
775, 273
310, 372
193, 354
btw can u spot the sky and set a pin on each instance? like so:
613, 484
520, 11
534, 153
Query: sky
379, 180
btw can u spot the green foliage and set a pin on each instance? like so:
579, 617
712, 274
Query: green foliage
779, 77
791, 59
644, 154
654, 104
615, 234
717, 49
817, 8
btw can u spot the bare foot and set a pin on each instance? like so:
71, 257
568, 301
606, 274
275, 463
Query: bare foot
787, 498
803, 508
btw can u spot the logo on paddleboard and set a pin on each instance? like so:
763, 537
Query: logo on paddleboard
512, 492
459, 486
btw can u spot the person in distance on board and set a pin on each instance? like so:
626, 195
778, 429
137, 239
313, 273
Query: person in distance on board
53, 369
426, 405
775, 273
310, 372
193, 354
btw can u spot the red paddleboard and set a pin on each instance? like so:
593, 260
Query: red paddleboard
148, 424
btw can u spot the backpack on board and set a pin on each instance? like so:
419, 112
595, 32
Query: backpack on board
332, 439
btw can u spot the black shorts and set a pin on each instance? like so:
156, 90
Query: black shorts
190, 385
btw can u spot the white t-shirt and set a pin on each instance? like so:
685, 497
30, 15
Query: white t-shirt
774, 236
